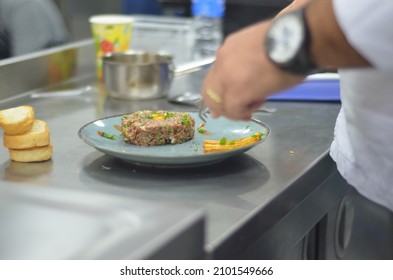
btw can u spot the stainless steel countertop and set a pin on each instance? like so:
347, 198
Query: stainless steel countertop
242, 197
230, 192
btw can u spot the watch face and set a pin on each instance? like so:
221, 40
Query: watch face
285, 38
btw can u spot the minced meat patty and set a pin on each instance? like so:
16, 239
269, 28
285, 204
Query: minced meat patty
152, 128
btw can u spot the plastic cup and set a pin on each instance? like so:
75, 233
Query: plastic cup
111, 33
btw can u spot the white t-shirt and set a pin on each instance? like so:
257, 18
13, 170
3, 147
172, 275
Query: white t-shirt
363, 143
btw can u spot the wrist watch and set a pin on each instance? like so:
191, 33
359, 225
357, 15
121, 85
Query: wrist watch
287, 43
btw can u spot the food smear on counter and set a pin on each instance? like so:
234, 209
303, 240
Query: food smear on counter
153, 128
27, 139
223, 144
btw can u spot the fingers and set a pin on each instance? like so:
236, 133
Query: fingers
238, 81
211, 93
224, 104
233, 103
214, 96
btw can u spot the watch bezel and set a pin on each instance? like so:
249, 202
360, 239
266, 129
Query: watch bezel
301, 61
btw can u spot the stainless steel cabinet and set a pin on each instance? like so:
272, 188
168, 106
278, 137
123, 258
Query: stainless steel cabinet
353, 229
300, 233
44, 223
356, 228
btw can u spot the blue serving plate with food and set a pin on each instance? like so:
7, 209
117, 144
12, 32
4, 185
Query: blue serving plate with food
104, 135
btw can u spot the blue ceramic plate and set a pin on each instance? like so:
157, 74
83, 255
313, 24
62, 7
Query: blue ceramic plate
185, 154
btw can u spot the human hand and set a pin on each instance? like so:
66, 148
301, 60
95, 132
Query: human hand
242, 76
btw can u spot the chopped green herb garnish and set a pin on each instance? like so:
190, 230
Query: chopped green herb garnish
256, 134
185, 119
223, 141
201, 130
106, 135
232, 142
168, 115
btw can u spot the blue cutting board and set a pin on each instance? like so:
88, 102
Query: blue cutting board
312, 90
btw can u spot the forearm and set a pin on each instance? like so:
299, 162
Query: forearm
329, 47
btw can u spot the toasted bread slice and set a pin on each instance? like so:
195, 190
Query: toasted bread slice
17, 120
37, 136
32, 154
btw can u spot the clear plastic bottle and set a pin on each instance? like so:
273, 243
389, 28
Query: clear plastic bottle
208, 35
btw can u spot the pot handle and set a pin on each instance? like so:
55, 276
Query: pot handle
193, 66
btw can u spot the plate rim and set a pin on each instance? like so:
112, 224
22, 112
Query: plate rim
224, 154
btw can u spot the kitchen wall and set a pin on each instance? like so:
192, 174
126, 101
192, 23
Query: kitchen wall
239, 13
76, 14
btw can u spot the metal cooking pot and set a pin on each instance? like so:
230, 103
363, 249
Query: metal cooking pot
139, 75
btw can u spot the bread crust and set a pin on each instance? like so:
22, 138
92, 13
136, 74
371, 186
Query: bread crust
35, 154
37, 136
17, 120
